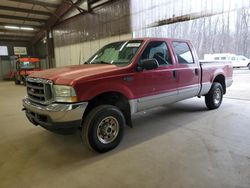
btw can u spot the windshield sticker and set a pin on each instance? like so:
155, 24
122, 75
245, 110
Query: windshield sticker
131, 45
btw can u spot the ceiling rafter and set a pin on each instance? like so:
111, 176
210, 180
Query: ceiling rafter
16, 9
22, 18
35, 2
15, 39
75, 5
60, 11
15, 36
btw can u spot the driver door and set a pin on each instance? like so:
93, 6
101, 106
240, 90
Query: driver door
157, 86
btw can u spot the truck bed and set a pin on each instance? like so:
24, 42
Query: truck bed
209, 68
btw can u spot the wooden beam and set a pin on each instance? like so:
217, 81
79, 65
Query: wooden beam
40, 3
16, 9
188, 17
22, 18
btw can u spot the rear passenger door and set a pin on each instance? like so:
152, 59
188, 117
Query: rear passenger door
188, 71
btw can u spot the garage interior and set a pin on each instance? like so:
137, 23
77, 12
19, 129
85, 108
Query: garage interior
180, 145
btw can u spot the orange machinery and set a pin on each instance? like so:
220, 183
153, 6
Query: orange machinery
24, 67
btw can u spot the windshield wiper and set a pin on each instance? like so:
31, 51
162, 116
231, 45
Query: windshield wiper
102, 62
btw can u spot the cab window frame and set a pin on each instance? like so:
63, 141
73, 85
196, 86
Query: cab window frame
168, 53
176, 55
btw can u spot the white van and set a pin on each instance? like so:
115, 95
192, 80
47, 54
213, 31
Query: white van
237, 60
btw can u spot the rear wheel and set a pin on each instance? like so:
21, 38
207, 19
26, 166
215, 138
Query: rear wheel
103, 128
248, 66
214, 97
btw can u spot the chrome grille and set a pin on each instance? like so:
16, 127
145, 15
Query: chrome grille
39, 90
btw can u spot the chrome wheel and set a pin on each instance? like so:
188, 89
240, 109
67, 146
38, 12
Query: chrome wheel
217, 96
107, 130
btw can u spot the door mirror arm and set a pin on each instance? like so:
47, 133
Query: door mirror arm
147, 64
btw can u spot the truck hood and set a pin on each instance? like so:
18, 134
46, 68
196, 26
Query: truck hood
67, 75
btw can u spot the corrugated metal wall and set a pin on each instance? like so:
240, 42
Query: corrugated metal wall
109, 20
80, 52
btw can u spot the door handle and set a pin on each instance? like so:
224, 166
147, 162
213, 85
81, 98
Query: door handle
174, 74
196, 71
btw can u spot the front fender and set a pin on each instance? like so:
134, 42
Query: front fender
89, 90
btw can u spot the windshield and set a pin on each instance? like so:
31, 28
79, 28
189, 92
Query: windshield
29, 65
118, 53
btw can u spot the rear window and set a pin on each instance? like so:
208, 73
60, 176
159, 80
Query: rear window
183, 53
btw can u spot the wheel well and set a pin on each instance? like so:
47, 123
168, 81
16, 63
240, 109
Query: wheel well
221, 79
113, 98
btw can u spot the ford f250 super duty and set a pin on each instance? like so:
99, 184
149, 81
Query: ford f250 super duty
122, 78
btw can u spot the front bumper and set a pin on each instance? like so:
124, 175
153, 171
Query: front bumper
55, 115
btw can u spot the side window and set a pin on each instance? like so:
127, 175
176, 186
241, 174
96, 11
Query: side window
223, 58
233, 58
159, 51
183, 53
216, 58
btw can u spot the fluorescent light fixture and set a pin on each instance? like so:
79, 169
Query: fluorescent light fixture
27, 28
16, 27
11, 27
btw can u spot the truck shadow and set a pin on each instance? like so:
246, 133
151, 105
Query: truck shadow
161, 120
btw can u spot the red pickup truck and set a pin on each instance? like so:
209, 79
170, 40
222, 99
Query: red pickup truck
120, 79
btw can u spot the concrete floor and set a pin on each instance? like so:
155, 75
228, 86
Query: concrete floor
183, 145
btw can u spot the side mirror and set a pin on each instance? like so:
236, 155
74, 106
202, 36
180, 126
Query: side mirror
147, 64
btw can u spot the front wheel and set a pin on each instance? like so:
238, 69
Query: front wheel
103, 128
214, 97
248, 66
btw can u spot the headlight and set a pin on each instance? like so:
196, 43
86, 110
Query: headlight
64, 94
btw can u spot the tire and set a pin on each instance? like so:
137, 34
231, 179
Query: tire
214, 97
103, 128
17, 82
24, 81
248, 66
